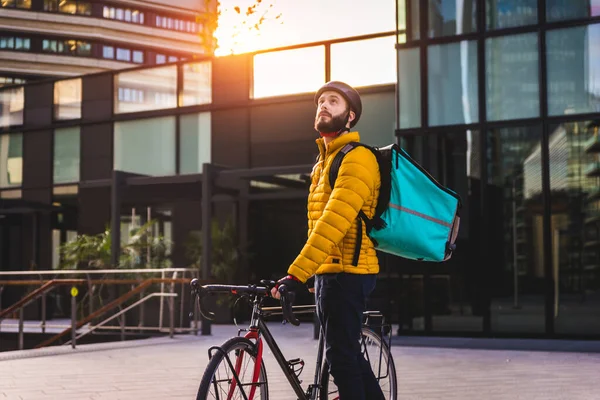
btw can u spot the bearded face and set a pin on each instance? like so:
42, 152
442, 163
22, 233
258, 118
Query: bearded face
333, 113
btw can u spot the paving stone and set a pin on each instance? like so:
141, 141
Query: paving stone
161, 368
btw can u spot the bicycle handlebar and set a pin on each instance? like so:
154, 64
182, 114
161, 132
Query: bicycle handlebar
287, 298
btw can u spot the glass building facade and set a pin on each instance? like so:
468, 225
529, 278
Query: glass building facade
499, 99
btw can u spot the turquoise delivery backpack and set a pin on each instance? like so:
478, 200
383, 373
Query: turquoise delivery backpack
416, 217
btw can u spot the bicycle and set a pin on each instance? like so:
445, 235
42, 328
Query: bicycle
239, 352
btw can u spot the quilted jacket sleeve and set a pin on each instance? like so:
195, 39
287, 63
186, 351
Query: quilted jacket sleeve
353, 185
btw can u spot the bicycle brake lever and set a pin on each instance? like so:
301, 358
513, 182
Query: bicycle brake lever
287, 299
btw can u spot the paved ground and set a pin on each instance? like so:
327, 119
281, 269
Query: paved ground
164, 368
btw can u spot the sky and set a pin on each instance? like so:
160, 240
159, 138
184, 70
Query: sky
302, 21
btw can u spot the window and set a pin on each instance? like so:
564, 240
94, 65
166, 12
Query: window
67, 99
452, 17
123, 54
574, 159
138, 57
145, 146
128, 15
159, 85
49, 46
161, 59
106, 12
119, 14
7, 80
25, 4
511, 72
173, 59
378, 58
509, 13
11, 106
15, 43
573, 70
197, 86
84, 8
514, 165
11, 160
289, 71
195, 144
557, 10
66, 155
108, 52
84, 48
67, 6
135, 16
452, 83
409, 87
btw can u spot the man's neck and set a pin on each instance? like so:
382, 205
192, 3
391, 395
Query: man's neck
329, 139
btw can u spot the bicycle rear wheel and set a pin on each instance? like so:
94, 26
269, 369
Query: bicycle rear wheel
218, 381
377, 352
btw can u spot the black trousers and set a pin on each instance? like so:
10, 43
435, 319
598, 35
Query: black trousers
341, 300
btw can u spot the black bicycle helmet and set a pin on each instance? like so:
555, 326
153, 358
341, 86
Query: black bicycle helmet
349, 93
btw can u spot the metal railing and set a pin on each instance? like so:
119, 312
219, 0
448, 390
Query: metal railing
46, 285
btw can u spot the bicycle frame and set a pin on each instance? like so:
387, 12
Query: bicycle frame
259, 327
258, 330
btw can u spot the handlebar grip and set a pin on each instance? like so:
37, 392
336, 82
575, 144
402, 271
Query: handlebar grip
287, 299
200, 292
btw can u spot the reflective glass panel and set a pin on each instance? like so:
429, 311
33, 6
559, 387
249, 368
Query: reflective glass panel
515, 262
289, 72
557, 10
452, 85
409, 87
66, 155
511, 72
574, 153
11, 106
195, 143
157, 85
145, 146
197, 84
573, 70
452, 17
11, 160
376, 66
509, 13
67, 99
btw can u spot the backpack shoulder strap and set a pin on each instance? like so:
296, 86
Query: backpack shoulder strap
337, 161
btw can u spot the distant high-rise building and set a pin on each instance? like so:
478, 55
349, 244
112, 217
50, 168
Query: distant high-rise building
56, 38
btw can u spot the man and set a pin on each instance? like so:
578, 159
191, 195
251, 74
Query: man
344, 273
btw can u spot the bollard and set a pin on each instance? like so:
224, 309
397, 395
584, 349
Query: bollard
74, 293
21, 329
171, 316
44, 312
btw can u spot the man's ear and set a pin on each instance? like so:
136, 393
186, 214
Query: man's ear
351, 116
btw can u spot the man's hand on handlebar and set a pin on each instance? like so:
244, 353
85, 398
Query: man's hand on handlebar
292, 283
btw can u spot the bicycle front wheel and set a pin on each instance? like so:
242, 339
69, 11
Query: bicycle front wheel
237, 357
378, 354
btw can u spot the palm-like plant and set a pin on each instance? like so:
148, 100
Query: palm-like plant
93, 251
225, 255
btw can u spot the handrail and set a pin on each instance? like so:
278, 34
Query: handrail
91, 282
123, 311
38, 292
112, 305
95, 271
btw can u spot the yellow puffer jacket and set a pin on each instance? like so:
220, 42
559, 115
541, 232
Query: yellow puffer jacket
332, 215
